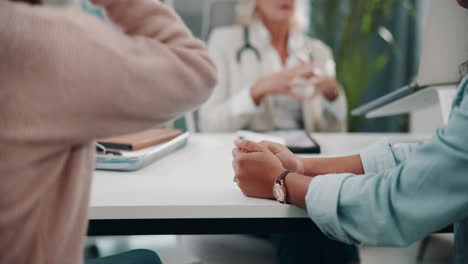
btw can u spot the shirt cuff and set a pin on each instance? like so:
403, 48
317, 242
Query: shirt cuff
243, 103
378, 157
322, 205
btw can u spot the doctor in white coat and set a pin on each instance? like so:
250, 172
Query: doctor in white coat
265, 63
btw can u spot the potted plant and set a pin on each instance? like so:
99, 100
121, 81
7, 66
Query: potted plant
349, 28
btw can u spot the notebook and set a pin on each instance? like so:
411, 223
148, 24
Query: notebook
138, 159
136, 141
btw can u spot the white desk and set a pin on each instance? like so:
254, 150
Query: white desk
193, 187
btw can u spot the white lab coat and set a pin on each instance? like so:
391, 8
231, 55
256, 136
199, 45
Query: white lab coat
231, 107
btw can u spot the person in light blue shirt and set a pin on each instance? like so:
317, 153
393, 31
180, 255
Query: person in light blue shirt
385, 196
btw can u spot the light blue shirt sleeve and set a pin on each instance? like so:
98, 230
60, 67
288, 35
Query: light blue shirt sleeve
406, 193
382, 156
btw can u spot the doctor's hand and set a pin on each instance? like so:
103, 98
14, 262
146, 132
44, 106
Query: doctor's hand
328, 86
256, 169
280, 82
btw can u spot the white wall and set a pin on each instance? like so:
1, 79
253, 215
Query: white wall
426, 120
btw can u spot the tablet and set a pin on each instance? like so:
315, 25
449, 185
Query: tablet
299, 142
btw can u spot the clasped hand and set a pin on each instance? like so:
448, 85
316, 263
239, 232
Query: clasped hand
257, 165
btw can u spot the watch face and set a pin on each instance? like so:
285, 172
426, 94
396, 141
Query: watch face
278, 192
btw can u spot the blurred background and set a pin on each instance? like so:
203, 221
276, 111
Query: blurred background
376, 45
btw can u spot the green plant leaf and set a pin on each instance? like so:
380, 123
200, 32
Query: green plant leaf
349, 26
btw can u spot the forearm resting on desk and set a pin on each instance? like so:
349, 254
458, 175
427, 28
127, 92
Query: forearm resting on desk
321, 166
298, 184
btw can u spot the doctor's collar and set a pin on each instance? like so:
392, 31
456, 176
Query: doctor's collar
261, 36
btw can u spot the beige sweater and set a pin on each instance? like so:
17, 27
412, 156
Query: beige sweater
65, 79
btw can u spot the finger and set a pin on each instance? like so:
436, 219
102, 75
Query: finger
249, 146
304, 63
235, 166
240, 155
304, 59
300, 69
313, 95
331, 95
309, 64
315, 81
242, 188
299, 82
306, 70
295, 95
235, 153
308, 67
336, 92
272, 146
298, 97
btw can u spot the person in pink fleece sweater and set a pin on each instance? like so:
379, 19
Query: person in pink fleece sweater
66, 79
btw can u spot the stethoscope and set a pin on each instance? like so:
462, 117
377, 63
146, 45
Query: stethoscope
248, 46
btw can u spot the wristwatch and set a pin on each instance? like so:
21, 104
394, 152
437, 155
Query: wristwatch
279, 187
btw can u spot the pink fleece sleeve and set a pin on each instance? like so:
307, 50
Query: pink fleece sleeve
71, 78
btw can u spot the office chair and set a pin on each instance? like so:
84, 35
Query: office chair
217, 13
